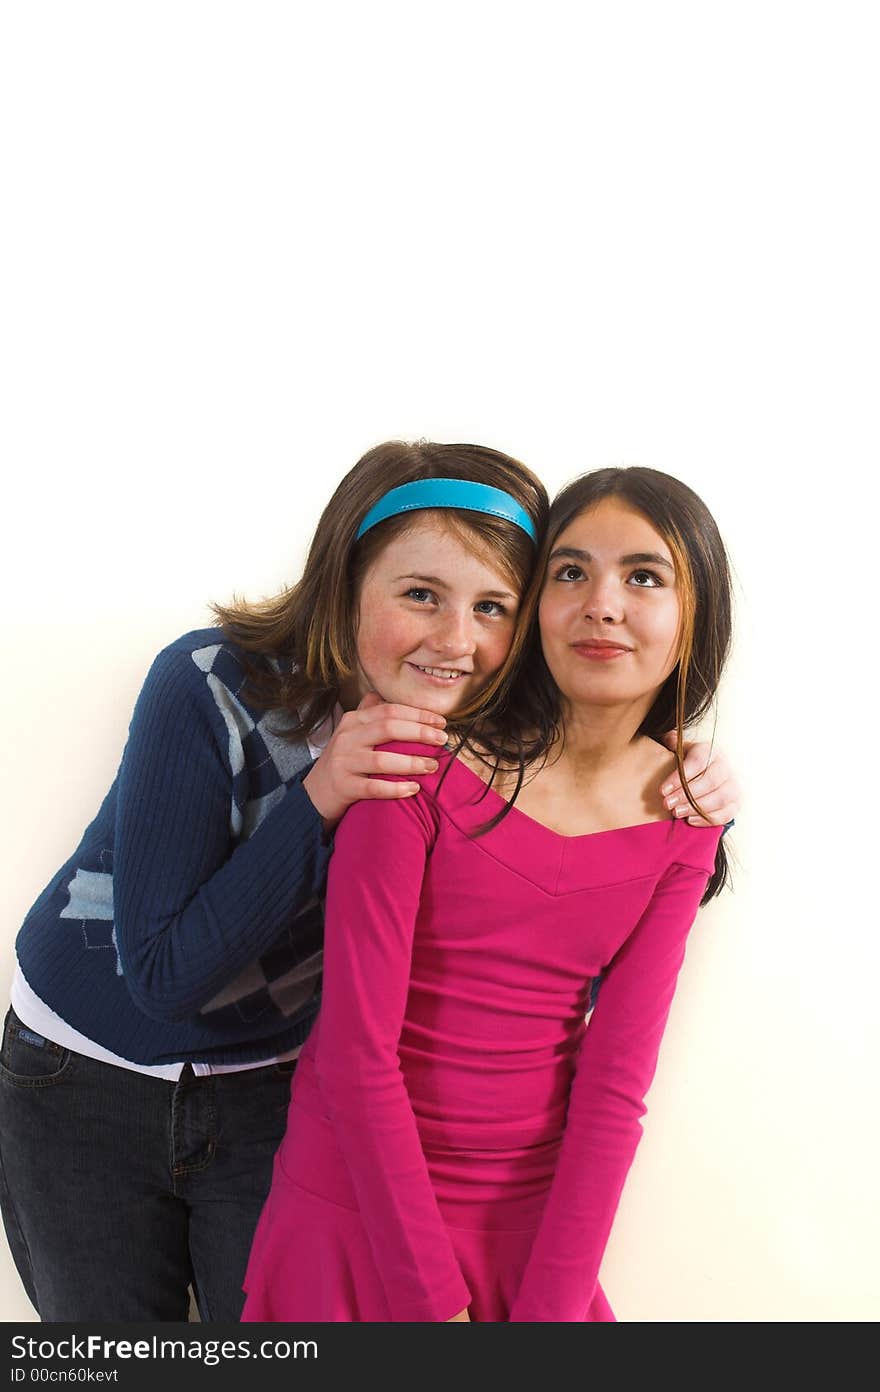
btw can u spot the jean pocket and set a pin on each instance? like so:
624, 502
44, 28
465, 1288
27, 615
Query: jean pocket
28, 1059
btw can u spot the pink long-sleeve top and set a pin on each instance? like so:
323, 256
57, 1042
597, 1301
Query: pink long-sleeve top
457, 976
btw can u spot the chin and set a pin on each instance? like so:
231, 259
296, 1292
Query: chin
601, 697
413, 692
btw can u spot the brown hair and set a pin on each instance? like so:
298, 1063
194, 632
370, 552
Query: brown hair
530, 721
314, 623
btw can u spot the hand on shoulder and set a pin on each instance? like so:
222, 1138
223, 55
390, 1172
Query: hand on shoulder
712, 783
375, 751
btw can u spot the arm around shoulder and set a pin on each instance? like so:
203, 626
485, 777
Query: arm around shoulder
192, 906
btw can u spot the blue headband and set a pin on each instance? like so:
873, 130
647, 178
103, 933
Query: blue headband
448, 493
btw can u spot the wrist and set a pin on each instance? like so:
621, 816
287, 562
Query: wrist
327, 810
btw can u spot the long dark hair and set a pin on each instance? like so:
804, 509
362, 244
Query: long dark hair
313, 624
527, 721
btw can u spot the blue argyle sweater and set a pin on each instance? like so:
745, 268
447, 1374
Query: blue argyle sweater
188, 922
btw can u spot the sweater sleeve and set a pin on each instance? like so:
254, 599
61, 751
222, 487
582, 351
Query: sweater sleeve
616, 1064
191, 907
373, 893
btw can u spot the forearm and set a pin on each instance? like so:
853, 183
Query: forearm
377, 1134
372, 904
179, 947
615, 1068
601, 1138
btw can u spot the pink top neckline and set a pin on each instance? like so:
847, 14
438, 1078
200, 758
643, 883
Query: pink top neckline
542, 826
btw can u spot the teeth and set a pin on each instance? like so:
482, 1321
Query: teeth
444, 672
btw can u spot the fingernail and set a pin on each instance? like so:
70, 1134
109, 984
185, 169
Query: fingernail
667, 788
431, 766
680, 811
670, 802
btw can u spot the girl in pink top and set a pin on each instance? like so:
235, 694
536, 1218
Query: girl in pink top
459, 1136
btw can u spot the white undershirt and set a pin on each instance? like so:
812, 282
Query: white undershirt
37, 1016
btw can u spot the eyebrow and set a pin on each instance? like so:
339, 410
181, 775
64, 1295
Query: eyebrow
442, 585
634, 558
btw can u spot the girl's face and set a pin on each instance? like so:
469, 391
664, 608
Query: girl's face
435, 622
610, 610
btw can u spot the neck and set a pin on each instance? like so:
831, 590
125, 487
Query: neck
596, 737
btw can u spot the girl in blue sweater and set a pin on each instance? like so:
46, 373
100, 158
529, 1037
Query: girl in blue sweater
169, 973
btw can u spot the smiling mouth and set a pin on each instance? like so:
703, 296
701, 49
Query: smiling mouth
444, 673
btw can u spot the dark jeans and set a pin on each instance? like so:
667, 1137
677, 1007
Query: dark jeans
119, 1190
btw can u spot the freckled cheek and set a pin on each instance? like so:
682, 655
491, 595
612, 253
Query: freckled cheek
386, 638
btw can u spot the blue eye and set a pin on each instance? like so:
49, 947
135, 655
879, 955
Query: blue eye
419, 595
490, 607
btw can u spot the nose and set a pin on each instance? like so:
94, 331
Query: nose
603, 601
453, 635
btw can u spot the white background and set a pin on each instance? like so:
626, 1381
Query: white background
243, 243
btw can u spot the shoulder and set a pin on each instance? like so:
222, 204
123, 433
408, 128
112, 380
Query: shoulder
695, 847
429, 783
651, 766
209, 651
197, 650
200, 671
178, 664
396, 821
205, 659
428, 751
